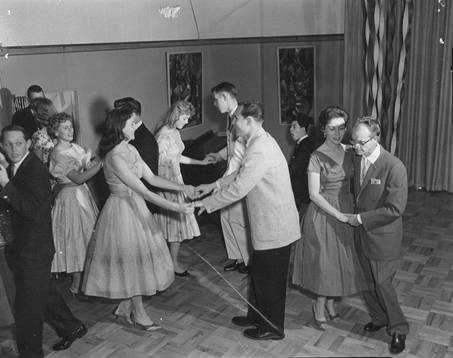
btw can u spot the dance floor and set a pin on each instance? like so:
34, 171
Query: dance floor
196, 312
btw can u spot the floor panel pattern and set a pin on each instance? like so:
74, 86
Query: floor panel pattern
196, 312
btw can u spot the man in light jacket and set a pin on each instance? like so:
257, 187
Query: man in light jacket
263, 179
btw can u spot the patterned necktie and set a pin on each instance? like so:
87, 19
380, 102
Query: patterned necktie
364, 165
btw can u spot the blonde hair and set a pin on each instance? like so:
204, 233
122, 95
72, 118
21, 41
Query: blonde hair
177, 110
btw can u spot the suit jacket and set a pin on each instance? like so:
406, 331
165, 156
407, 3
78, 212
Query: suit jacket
26, 120
263, 179
146, 145
28, 194
298, 165
381, 201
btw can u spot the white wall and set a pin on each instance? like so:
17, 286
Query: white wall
101, 76
58, 22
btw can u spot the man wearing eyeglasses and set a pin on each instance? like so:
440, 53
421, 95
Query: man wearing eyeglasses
380, 188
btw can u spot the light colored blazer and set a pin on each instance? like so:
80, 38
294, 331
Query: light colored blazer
263, 179
381, 201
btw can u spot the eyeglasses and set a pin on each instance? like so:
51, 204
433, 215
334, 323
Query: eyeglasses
361, 143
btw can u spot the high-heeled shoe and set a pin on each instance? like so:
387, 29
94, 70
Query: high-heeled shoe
315, 323
120, 316
332, 317
145, 327
182, 274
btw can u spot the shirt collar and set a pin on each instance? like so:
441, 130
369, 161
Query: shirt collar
18, 164
234, 110
302, 138
374, 154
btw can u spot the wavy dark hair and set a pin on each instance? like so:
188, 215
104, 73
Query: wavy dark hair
330, 113
113, 129
43, 109
129, 101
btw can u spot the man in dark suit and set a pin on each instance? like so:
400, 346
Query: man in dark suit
25, 117
27, 192
380, 187
299, 160
144, 142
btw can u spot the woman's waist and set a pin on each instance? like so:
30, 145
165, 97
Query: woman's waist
344, 191
123, 193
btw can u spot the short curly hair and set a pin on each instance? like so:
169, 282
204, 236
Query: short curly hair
56, 120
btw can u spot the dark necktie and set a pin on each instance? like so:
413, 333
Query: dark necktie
10, 171
229, 122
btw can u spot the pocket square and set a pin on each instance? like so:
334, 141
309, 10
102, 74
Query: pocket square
375, 181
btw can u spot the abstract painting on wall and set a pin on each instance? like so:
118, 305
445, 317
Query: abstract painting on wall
296, 78
184, 72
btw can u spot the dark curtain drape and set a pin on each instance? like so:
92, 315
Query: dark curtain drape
354, 55
425, 134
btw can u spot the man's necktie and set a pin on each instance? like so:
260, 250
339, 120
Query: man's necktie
11, 171
364, 165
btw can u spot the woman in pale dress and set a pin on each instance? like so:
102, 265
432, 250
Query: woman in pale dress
326, 261
128, 257
175, 227
74, 211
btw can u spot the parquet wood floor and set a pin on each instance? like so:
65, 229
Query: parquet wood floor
196, 312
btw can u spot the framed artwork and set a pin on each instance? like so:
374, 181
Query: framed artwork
296, 78
184, 71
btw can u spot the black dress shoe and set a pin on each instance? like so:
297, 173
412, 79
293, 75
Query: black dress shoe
398, 343
373, 327
243, 269
182, 274
66, 342
232, 266
243, 321
258, 334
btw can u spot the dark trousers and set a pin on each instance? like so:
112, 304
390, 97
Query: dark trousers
382, 300
37, 299
267, 288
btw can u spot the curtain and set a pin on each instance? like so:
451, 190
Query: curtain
376, 48
425, 133
387, 25
354, 55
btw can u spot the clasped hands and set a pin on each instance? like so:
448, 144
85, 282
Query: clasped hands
351, 219
197, 192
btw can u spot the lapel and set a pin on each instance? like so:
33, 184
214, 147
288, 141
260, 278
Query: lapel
23, 166
301, 146
371, 171
139, 131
